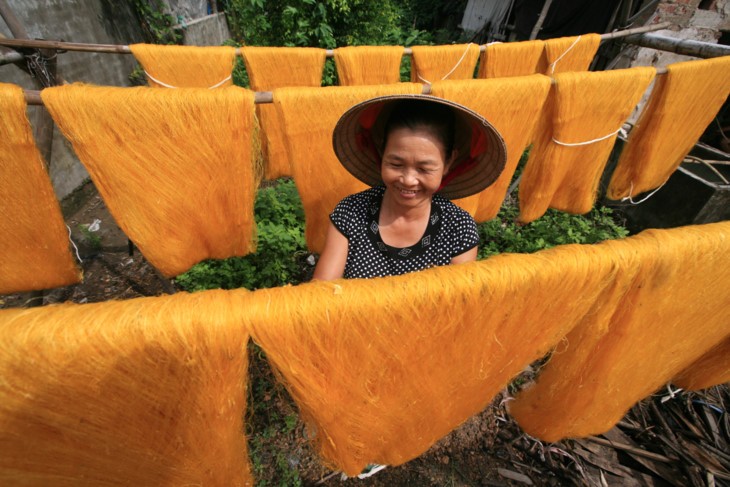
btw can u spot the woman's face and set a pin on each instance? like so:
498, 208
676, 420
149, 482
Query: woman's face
414, 162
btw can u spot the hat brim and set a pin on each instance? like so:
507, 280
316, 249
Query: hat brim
487, 158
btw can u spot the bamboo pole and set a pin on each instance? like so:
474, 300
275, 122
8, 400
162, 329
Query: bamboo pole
15, 26
260, 97
688, 47
119, 49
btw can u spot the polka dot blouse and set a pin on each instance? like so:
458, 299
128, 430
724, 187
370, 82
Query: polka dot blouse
451, 231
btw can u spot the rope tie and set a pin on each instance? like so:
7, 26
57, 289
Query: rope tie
588, 142
171, 86
552, 65
452, 69
631, 190
74, 245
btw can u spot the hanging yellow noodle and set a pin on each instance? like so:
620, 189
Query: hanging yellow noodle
269, 68
186, 66
569, 155
34, 251
566, 54
711, 369
668, 306
278, 67
436, 63
513, 106
368, 65
173, 166
507, 59
683, 103
385, 367
309, 116
150, 391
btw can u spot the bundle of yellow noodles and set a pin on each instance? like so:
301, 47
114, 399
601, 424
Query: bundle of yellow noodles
173, 166
566, 54
667, 306
275, 67
513, 106
436, 63
368, 65
186, 66
150, 391
309, 116
569, 155
683, 103
507, 59
34, 251
711, 369
385, 367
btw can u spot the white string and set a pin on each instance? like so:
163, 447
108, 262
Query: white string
631, 190
574, 144
171, 86
72, 243
452, 69
552, 65
375, 469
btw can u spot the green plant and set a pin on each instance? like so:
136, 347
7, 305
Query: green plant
157, 25
137, 77
326, 24
92, 239
281, 247
502, 234
271, 420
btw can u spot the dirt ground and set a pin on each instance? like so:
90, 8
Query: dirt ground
669, 439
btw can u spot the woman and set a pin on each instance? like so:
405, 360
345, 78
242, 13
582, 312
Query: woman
415, 151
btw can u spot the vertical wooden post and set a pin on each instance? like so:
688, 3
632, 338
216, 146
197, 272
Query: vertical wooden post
540, 20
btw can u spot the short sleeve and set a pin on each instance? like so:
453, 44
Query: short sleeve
342, 217
468, 236
465, 231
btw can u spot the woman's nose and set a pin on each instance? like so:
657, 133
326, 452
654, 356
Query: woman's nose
408, 177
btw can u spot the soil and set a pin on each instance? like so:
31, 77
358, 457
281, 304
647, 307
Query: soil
489, 449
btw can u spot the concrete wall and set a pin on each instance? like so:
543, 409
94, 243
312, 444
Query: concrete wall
92, 21
211, 30
96, 22
689, 22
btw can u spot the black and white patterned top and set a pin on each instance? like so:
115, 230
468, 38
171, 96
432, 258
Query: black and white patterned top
451, 231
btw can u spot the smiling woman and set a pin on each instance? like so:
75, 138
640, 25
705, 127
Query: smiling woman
416, 152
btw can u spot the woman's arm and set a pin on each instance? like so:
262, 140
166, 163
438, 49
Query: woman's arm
468, 256
331, 264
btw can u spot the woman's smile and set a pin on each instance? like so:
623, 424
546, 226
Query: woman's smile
414, 162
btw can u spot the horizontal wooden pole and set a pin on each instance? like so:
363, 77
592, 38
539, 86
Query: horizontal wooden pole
119, 49
687, 47
33, 97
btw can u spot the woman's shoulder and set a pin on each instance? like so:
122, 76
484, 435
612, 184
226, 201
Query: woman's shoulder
362, 199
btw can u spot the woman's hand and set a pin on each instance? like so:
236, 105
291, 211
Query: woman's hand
331, 264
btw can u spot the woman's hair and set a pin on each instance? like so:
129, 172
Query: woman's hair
423, 114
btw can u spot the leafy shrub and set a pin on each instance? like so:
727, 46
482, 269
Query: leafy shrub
502, 234
281, 248
326, 24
